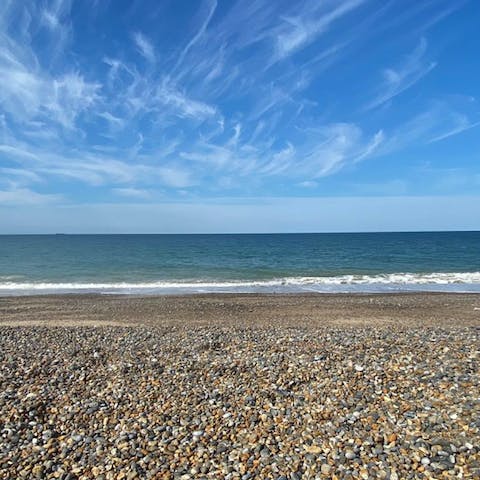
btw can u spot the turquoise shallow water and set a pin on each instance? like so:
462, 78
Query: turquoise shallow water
443, 261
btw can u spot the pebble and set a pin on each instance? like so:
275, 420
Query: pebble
325, 469
350, 455
231, 402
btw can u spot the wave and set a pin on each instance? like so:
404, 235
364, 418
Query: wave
459, 281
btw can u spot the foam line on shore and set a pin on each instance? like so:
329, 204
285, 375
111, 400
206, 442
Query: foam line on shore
398, 281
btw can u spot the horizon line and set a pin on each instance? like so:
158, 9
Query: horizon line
347, 232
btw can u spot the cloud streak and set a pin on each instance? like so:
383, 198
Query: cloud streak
403, 76
438, 121
302, 29
207, 10
144, 47
32, 92
25, 196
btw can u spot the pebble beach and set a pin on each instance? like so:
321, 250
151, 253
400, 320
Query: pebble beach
240, 387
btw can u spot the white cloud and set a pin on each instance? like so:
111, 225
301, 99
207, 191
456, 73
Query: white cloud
398, 79
298, 31
55, 12
317, 152
113, 121
96, 169
21, 175
308, 184
22, 196
215, 156
71, 96
17, 152
336, 146
175, 177
237, 131
144, 47
440, 120
29, 92
132, 192
280, 161
371, 147
459, 123
50, 20
208, 8
181, 104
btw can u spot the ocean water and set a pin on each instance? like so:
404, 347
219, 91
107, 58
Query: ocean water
174, 264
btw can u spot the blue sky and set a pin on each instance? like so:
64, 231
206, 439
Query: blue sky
239, 116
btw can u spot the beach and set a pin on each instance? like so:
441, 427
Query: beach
233, 386
219, 261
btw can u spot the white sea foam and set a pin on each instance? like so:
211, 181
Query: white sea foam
357, 283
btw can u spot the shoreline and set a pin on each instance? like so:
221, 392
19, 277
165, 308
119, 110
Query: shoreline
305, 309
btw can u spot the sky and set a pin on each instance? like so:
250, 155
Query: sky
239, 116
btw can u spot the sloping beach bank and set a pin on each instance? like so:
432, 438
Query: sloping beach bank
253, 310
240, 386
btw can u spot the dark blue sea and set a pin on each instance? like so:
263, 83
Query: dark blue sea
174, 264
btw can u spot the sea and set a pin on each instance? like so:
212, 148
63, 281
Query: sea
247, 263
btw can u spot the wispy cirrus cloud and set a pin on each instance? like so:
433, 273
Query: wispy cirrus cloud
25, 196
207, 10
454, 125
89, 167
438, 121
144, 47
27, 95
340, 145
322, 151
403, 76
308, 184
131, 192
315, 18
55, 14
20, 175
170, 96
29, 90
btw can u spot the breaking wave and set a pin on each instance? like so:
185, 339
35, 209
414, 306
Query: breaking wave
461, 282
